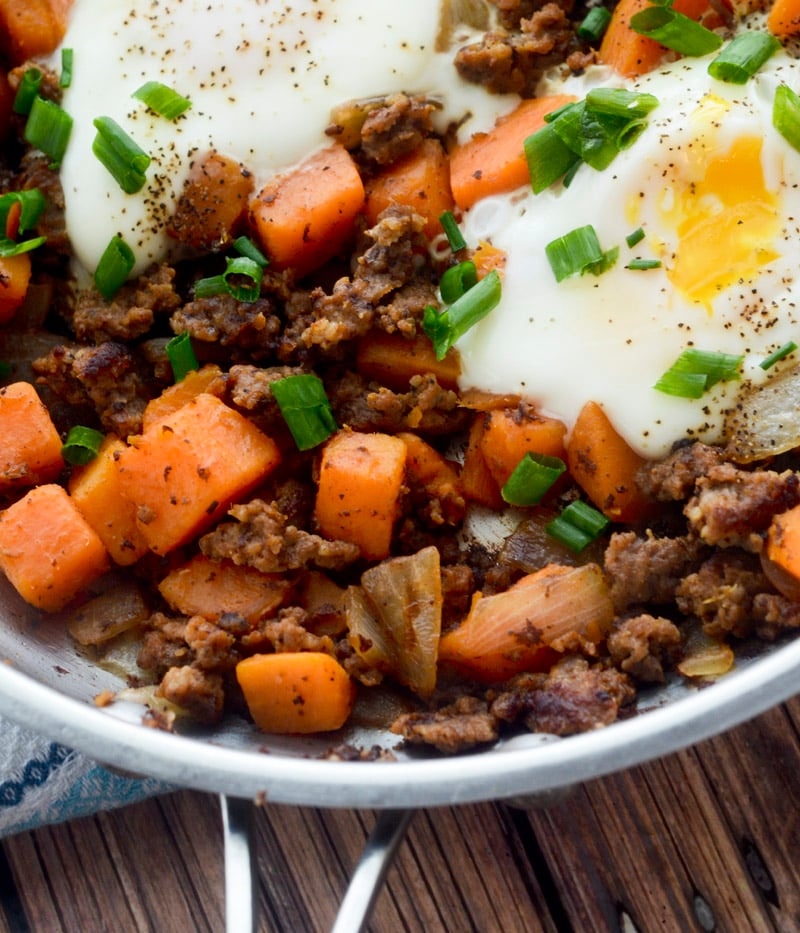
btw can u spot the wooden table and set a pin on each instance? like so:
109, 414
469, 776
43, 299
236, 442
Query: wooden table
706, 839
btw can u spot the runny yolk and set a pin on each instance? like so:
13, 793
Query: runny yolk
726, 223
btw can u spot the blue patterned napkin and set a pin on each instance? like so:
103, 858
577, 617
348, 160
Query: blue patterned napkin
43, 782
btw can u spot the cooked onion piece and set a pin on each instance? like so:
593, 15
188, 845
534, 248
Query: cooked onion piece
766, 419
395, 618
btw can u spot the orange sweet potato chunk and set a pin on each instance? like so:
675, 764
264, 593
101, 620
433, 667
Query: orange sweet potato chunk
96, 490
185, 470
30, 447
211, 588
360, 481
48, 550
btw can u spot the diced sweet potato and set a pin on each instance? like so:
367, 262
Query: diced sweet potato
30, 447
206, 379
48, 550
185, 470
96, 490
211, 588
360, 480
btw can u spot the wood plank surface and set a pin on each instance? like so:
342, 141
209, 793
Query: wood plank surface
706, 839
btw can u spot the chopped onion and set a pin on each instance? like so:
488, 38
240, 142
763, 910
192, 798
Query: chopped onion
766, 419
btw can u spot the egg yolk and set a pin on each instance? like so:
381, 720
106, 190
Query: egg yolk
725, 221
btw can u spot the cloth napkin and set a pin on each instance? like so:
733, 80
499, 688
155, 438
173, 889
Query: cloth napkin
43, 782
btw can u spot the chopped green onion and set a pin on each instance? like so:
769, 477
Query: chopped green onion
243, 278
533, 476
12, 248
31, 204
445, 328
123, 158
548, 158
237, 269
163, 100
577, 252
67, 60
644, 264
457, 280
48, 128
636, 237
454, 235
594, 24
697, 371
82, 445
577, 526
114, 267
778, 355
305, 408
743, 57
246, 247
27, 91
588, 134
786, 114
181, 356
609, 258
618, 102
675, 31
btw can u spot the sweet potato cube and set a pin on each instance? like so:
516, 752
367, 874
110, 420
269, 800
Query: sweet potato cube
303, 218
30, 447
296, 691
185, 470
360, 479
96, 490
48, 550
211, 588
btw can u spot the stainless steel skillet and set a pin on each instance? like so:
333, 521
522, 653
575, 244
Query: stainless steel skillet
46, 685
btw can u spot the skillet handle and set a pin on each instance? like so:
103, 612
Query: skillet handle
375, 861
238, 828
241, 871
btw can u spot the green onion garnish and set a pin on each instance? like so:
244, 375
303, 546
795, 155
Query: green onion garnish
548, 158
31, 203
578, 525
162, 100
82, 445
697, 371
458, 279
594, 24
644, 264
123, 158
48, 128
305, 408
533, 476
445, 328
786, 114
67, 60
743, 56
594, 130
577, 252
246, 247
181, 356
675, 31
778, 355
618, 102
12, 248
241, 279
27, 91
636, 237
454, 235
114, 267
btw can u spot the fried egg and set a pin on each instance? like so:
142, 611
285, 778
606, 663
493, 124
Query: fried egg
714, 188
